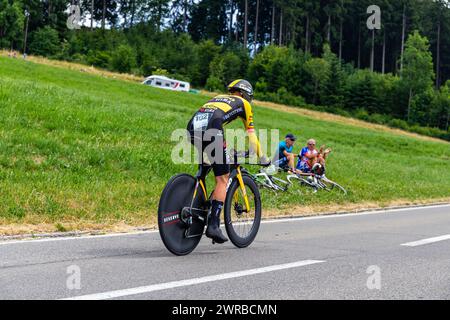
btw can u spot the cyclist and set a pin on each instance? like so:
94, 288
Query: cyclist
206, 132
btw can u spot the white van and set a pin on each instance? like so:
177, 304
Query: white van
167, 83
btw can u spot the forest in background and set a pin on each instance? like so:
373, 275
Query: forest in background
308, 53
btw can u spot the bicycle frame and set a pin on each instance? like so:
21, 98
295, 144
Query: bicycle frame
237, 173
269, 183
203, 171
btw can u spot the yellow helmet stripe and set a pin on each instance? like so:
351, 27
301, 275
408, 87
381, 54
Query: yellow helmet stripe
234, 83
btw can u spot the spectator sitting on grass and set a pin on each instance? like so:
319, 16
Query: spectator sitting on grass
309, 156
284, 157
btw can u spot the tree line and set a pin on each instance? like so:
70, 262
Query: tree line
313, 53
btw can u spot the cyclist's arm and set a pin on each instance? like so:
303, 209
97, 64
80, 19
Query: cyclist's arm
250, 128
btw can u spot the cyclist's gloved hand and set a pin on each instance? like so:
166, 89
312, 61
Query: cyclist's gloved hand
241, 154
265, 161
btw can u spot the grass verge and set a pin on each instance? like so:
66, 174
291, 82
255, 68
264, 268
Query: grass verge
83, 151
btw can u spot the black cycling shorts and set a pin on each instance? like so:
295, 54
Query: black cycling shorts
209, 139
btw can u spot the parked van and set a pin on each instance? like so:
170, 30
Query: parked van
167, 83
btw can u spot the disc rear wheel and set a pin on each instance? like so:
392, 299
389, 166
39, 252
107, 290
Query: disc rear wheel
179, 228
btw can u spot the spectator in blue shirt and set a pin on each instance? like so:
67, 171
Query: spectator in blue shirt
284, 157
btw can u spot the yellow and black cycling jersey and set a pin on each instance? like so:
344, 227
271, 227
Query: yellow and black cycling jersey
222, 110
233, 107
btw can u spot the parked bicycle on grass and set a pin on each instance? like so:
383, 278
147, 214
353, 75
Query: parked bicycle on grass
310, 169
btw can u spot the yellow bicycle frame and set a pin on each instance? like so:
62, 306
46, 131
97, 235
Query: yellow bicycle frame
202, 185
235, 196
244, 191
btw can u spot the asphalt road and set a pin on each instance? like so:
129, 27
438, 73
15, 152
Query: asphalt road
398, 254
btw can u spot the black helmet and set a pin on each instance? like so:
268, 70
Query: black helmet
242, 86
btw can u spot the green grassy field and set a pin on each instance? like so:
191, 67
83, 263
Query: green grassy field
85, 150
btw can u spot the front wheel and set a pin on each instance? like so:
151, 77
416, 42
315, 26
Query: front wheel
242, 225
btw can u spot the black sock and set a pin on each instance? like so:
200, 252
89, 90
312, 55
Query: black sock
216, 208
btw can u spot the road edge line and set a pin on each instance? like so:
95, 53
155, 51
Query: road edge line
96, 235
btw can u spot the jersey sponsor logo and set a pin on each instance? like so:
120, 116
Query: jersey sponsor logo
208, 108
227, 100
234, 102
232, 114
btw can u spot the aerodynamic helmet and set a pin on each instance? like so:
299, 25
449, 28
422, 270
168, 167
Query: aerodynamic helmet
242, 86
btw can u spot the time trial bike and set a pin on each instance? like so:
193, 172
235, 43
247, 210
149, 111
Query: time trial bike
184, 206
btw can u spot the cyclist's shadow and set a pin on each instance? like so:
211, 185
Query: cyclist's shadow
129, 253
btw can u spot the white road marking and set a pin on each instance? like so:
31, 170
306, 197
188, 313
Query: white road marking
345, 215
288, 219
426, 241
194, 281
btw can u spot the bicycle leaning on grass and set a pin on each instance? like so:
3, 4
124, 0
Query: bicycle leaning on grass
184, 206
265, 178
316, 180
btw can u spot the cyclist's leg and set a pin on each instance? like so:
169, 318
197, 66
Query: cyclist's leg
221, 168
196, 139
220, 192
